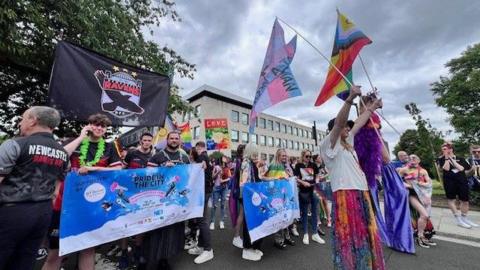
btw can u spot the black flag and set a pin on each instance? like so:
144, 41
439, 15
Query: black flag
84, 82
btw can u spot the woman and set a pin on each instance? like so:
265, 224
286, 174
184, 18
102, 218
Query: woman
279, 170
249, 173
419, 186
322, 177
220, 176
236, 212
356, 243
306, 172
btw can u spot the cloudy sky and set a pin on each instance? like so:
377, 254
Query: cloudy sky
412, 41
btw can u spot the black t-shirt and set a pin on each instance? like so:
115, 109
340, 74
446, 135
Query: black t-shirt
453, 174
137, 159
110, 157
306, 173
31, 165
161, 157
203, 157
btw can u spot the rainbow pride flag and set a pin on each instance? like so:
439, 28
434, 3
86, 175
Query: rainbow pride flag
349, 40
185, 134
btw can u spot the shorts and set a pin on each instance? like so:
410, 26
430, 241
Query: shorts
456, 188
54, 230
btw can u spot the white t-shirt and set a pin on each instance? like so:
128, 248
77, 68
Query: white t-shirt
345, 172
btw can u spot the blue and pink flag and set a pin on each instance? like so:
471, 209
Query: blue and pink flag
276, 82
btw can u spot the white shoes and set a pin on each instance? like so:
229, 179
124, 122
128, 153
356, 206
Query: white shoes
238, 242
259, 252
205, 256
305, 239
461, 223
190, 244
317, 238
222, 225
212, 226
195, 251
469, 222
251, 255
295, 232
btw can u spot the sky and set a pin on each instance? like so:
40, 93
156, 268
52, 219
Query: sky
412, 42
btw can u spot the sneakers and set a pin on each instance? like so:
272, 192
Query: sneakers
42, 253
317, 238
259, 252
469, 222
205, 256
294, 231
329, 223
195, 251
421, 241
189, 244
251, 255
222, 225
238, 242
280, 245
429, 242
461, 223
305, 239
289, 241
212, 226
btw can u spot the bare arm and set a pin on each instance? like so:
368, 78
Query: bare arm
70, 148
365, 116
457, 165
342, 115
385, 155
1, 178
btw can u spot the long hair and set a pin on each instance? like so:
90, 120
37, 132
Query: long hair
278, 154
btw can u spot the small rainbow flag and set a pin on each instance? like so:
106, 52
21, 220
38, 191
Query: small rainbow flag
349, 40
185, 135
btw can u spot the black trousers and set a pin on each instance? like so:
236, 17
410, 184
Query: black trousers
23, 227
204, 239
247, 242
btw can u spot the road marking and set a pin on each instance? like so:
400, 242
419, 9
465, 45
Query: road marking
458, 241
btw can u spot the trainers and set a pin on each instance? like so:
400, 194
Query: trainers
429, 242
205, 256
190, 244
462, 224
238, 242
318, 239
212, 226
259, 252
469, 222
195, 251
251, 255
295, 232
42, 253
421, 242
329, 223
222, 225
305, 239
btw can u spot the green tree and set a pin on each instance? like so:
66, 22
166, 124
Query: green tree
459, 94
29, 31
409, 142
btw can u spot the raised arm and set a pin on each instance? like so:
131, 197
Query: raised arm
342, 115
365, 116
70, 148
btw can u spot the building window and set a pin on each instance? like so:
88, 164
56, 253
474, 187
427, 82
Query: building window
290, 130
302, 132
263, 156
277, 142
244, 118
277, 126
263, 123
290, 144
303, 146
284, 143
184, 118
244, 137
308, 134
296, 132
263, 140
270, 141
198, 110
270, 125
254, 137
270, 158
196, 133
296, 145
284, 128
234, 135
235, 116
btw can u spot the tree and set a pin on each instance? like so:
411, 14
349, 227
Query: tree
409, 142
459, 94
30, 30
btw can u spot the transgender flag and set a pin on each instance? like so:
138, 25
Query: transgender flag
349, 40
276, 81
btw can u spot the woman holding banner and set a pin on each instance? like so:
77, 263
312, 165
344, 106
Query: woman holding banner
356, 243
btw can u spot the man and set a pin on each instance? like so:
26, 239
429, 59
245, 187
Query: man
135, 159
29, 167
402, 159
455, 184
166, 242
474, 172
204, 248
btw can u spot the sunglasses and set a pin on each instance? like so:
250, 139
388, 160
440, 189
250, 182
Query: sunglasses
308, 156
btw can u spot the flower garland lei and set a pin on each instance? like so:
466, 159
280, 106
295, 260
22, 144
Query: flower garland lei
84, 151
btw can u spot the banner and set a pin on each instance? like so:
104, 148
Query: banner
84, 82
216, 134
101, 207
270, 206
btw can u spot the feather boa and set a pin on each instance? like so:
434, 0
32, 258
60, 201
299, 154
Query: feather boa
369, 151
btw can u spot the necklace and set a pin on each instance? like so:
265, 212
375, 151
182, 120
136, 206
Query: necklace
84, 151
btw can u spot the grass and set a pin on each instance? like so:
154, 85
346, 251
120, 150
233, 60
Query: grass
437, 188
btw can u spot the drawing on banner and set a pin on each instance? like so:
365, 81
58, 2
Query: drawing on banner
216, 134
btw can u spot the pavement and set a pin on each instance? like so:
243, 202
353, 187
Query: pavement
445, 225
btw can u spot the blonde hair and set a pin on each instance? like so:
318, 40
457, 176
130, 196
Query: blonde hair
250, 151
277, 155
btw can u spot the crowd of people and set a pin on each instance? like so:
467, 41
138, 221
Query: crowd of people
30, 177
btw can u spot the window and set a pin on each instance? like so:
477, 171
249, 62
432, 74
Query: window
270, 141
198, 110
270, 158
277, 142
296, 145
234, 135
302, 132
308, 134
184, 118
244, 118
263, 156
290, 130
196, 133
235, 116
296, 131
290, 144
284, 128
277, 126
284, 143
244, 137
262, 140
263, 123
270, 124
303, 146
253, 138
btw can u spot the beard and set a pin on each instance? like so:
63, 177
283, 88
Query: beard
173, 146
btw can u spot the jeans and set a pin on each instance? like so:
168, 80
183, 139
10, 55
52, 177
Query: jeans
313, 202
219, 192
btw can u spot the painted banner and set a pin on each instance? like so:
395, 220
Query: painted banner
101, 207
270, 206
216, 134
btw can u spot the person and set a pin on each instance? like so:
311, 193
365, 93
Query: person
135, 159
164, 243
236, 212
30, 165
221, 175
402, 159
474, 173
204, 248
293, 228
249, 173
306, 172
356, 242
419, 186
279, 170
322, 177
455, 184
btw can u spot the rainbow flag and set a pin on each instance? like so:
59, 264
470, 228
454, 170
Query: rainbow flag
349, 40
185, 135
276, 82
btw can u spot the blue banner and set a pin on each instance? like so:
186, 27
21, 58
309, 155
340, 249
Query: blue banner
270, 206
101, 207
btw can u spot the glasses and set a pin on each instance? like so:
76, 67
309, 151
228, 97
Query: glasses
475, 151
308, 156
